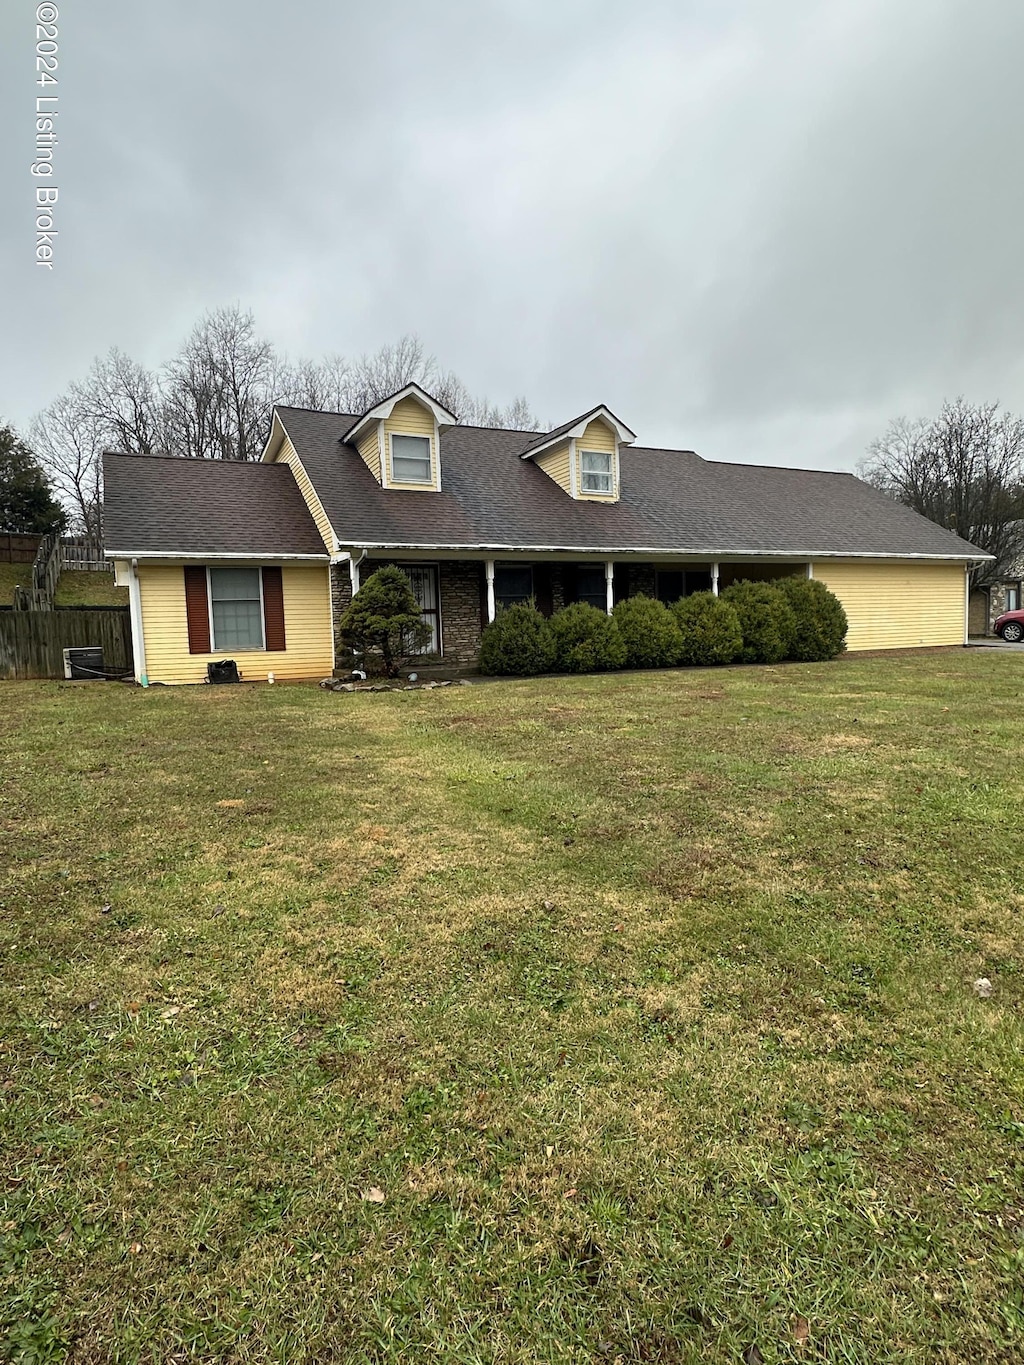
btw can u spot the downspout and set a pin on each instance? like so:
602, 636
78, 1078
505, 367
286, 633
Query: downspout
489, 577
135, 614
967, 605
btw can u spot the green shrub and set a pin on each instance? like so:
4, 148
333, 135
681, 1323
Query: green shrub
649, 632
820, 620
518, 641
709, 630
383, 621
766, 620
586, 640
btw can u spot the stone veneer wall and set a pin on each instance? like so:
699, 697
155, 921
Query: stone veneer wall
341, 596
461, 585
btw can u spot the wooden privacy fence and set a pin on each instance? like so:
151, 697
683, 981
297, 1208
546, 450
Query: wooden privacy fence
83, 552
18, 549
32, 643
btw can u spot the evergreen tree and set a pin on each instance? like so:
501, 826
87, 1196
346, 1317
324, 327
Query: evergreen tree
27, 504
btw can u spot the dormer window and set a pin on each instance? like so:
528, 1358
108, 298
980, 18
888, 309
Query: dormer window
596, 471
410, 459
582, 456
399, 440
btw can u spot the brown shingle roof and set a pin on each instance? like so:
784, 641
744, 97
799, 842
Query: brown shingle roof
672, 501
159, 504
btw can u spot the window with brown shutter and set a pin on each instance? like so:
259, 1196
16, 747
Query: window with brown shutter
197, 610
273, 607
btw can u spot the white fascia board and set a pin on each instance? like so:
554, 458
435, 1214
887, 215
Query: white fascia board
665, 551
622, 432
277, 435
384, 409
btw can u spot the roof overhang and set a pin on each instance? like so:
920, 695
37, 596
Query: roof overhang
383, 410
274, 439
739, 554
622, 432
208, 556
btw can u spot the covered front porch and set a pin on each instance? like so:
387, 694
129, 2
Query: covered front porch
459, 596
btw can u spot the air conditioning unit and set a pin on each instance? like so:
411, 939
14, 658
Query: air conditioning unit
84, 663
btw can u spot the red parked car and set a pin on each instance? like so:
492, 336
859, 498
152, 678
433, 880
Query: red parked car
1010, 626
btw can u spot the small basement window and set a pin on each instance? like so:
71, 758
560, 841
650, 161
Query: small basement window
410, 459
236, 609
596, 469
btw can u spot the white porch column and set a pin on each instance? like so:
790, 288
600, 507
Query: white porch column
609, 585
810, 569
714, 578
489, 575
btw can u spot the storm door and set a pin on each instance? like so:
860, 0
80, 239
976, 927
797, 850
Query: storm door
423, 580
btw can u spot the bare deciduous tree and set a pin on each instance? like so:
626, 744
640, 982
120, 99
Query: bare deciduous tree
216, 390
69, 440
963, 469
124, 401
214, 400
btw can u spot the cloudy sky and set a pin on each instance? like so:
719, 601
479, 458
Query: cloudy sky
756, 228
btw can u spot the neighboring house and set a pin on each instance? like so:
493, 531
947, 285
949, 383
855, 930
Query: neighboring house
257, 561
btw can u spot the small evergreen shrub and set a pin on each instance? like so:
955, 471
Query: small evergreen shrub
518, 641
649, 633
586, 640
766, 620
383, 621
820, 619
709, 630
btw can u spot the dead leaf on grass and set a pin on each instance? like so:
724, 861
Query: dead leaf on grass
374, 1195
801, 1330
230, 805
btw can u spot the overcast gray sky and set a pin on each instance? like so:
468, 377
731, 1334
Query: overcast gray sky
756, 228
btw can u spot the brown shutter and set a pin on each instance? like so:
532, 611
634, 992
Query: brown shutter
197, 610
273, 607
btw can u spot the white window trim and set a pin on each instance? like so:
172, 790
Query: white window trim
263, 615
608, 492
428, 482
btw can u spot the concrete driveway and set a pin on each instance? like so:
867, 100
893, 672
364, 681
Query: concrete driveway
993, 642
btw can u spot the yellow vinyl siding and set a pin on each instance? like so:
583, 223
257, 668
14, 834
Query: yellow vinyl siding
288, 455
598, 436
410, 418
307, 627
555, 464
368, 446
898, 604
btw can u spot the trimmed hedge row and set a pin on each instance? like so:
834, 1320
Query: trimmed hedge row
789, 618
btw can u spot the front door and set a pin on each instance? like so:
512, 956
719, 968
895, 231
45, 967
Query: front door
423, 580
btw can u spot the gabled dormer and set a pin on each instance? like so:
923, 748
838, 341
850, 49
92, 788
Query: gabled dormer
583, 455
399, 440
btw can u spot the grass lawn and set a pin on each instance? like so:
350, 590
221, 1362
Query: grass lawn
613, 1019
88, 588
10, 575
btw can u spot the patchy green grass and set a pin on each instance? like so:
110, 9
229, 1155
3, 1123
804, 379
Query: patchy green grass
10, 576
88, 588
576, 1020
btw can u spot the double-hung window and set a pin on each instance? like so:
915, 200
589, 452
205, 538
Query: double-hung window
513, 583
410, 459
236, 609
596, 471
